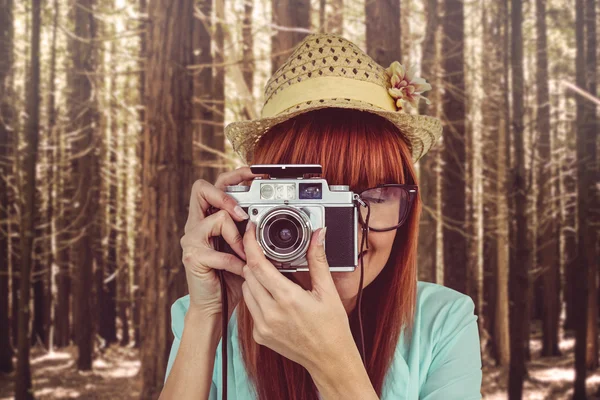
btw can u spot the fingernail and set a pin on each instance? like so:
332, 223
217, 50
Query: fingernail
248, 226
321, 238
240, 213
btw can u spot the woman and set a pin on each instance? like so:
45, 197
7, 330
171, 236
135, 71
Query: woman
296, 335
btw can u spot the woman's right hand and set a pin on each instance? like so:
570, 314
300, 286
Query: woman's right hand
199, 255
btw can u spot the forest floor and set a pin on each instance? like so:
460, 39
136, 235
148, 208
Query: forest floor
114, 375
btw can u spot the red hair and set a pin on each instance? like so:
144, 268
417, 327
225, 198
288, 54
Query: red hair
361, 150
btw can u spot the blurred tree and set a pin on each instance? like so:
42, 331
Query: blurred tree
384, 31
291, 21
52, 184
6, 138
167, 178
519, 265
23, 389
454, 158
428, 175
495, 221
589, 160
547, 214
82, 104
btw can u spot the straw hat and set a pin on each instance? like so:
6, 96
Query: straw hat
326, 70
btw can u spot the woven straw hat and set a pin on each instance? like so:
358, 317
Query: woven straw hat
326, 70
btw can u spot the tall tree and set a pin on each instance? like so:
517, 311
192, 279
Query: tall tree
53, 186
428, 176
82, 116
383, 31
331, 16
591, 171
248, 47
167, 178
6, 137
547, 214
580, 273
454, 157
495, 220
23, 389
291, 19
519, 265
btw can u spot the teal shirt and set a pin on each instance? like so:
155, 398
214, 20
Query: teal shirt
441, 362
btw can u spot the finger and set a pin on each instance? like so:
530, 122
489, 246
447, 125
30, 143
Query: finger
318, 267
218, 224
263, 298
203, 196
194, 257
234, 177
253, 306
264, 271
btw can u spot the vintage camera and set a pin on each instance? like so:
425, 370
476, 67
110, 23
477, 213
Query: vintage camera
288, 206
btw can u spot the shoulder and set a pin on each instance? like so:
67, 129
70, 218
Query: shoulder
178, 310
433, 298
442, 314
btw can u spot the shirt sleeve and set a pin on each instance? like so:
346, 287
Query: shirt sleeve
455, 370
178, 310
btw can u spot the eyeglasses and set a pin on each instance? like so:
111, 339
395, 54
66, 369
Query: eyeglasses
390, 206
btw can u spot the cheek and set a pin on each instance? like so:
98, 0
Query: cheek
380, 248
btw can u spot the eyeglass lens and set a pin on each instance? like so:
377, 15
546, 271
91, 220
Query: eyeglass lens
389, 206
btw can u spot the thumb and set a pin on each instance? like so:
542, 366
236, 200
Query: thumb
318, 266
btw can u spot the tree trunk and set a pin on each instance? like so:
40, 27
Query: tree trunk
23, 388
6, 138
53, 185
384, 34
581, 264
454, 157
519, 266
136, 284
248, 48
427, 256
495, 248
545, 204
82, 115
335, 19
167, 178
108, 308
591, 171
291, 19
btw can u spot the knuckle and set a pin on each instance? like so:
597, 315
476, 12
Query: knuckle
187, 257
229, 258
256, 336
198, 184
227, 200
262, 331
321, 257
287, 300
222, 215
253, 265
238, 238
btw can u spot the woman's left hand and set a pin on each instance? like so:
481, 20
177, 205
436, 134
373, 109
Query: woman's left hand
309, 327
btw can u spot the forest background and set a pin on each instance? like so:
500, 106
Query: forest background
105, 103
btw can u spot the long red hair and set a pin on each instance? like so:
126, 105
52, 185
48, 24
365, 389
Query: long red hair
361, 150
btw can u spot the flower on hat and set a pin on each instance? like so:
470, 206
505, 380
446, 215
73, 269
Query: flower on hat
405, 86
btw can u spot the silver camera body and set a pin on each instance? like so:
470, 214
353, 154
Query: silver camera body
287, 208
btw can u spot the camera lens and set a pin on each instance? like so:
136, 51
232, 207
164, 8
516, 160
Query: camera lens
283, 233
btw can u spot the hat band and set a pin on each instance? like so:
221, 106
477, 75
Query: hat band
328, 87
